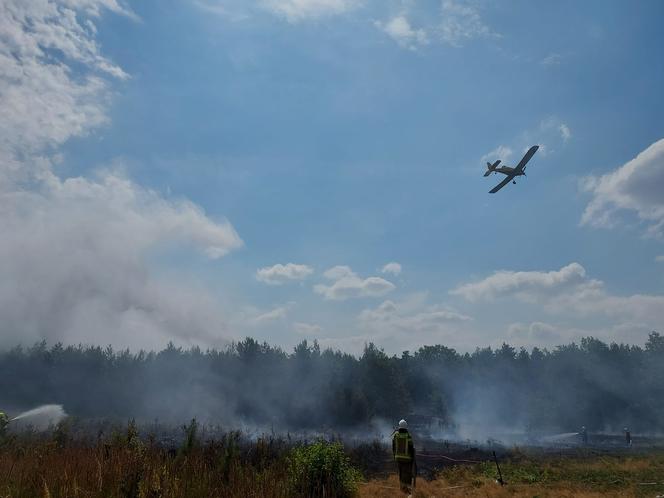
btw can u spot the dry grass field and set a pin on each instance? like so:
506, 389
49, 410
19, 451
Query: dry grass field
124, 465
609, 475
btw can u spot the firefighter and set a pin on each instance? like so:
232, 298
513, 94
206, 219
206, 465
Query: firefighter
404, 454
4, 422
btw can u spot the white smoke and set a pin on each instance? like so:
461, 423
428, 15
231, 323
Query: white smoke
74, 251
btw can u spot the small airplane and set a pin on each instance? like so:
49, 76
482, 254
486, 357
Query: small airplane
510, 173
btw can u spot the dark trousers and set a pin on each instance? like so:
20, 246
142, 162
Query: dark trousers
405, 473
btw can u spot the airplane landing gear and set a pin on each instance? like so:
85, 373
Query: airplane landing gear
513, 182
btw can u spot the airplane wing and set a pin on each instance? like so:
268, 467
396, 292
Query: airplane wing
501, 184
522, 164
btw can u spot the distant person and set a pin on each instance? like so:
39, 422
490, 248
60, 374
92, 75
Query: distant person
584, 435
4, 422
628, 437
404, 454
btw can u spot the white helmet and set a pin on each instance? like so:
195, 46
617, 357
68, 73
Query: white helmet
403, 424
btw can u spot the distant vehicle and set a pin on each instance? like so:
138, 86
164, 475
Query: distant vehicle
510, 173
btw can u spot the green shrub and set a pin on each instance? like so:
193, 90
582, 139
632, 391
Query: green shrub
322, 469
190, 437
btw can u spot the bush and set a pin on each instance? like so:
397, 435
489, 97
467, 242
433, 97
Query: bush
190, 437
322, 469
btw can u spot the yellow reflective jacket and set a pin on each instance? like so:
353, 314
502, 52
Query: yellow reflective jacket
402, 446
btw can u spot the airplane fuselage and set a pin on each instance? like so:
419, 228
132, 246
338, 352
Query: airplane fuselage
506, 170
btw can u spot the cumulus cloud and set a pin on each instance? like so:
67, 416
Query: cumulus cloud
307, 328
393, 267
95, 7
348, 285
44, 101
338, 272
406, 325
567, 292
280, 274
526, 284
390, 315
535, 333
400, 30
635, 187
75, 252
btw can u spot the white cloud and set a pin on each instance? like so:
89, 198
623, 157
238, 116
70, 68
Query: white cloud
565, 132
280, 274
400, 30
299, 10
549, 134
455, 22
307, 328
74, 252
348, 285
293, 11
390, 315
94, 8
44, 101
594, 300
551, 60
393, 267
535, 334
543, 334
521, 283
234, 10
635, 187
338, 272
566, 292
501, 152
461, 22
406, 325
278, 313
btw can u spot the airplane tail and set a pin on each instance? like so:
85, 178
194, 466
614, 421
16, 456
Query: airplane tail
491, 167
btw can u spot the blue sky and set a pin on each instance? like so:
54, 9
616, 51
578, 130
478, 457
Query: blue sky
345, 133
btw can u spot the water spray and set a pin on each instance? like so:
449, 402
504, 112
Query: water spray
42, 415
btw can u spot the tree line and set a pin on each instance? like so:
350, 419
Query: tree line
253, 384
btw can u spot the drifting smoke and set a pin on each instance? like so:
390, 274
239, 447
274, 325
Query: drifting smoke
74, 251
255, 386
561, 437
